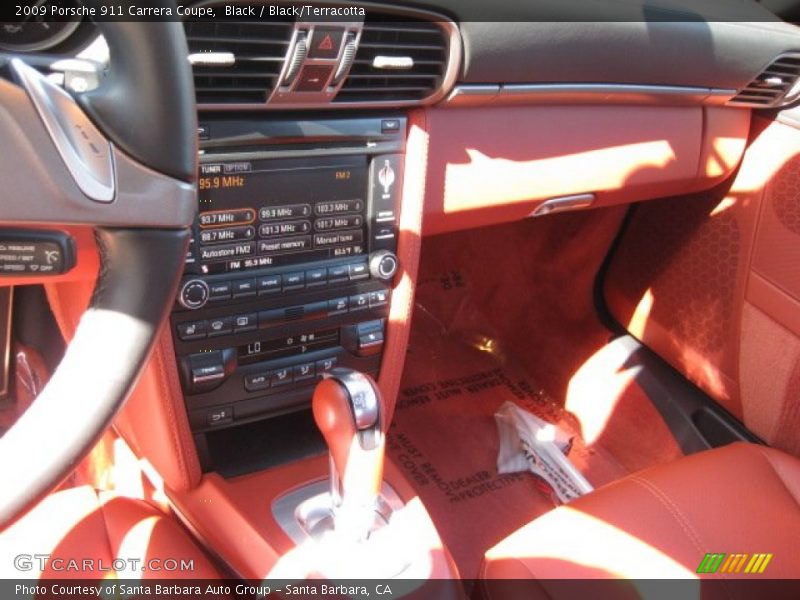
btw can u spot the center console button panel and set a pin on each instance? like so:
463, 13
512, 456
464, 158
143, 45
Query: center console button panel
292, 268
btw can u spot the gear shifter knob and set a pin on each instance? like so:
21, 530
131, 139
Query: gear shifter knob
348, 410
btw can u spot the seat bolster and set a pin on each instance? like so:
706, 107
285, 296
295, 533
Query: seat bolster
83, 534
661, 522
137, 530
64, 525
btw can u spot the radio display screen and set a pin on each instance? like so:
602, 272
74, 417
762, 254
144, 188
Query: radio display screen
274, 212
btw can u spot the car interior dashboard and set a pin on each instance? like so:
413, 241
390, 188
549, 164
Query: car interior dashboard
341, 146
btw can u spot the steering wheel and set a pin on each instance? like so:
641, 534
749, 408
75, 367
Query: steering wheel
121, 160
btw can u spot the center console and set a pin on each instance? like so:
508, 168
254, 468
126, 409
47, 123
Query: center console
289, 273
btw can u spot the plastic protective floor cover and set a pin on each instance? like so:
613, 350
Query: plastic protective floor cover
458, 372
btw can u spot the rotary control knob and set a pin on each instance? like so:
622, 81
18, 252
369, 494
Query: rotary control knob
194, 294
383, 265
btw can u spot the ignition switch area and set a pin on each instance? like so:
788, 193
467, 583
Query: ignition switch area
35, 253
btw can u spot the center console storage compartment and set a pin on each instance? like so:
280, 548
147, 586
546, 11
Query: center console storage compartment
263, 444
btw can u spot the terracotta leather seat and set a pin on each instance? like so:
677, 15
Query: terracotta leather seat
83, 525
661, 522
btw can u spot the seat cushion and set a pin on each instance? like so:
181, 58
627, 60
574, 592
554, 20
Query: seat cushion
92, 531
661, 522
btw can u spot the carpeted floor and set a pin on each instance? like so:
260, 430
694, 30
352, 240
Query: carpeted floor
464, 362
444, 437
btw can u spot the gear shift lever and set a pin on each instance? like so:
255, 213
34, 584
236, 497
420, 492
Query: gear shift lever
349, 411
362, 525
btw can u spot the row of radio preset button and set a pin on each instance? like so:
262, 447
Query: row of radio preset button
199, 330
298, 373
298, 280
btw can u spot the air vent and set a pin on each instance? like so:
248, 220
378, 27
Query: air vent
399, 58
237, 61
774, 86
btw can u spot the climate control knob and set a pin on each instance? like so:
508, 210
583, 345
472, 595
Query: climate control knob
194, 294
383, 265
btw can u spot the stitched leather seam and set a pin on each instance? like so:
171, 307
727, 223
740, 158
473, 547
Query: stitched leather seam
778, 472
102, 276
676, 513
672, 508
107, 535
175, 400
409, 249
170, 413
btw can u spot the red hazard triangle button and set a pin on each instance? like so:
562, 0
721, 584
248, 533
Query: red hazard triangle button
326, 42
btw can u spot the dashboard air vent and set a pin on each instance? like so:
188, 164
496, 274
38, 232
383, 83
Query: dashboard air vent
237, 61
774, 86
399, 58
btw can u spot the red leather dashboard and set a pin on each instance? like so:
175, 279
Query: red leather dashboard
490, 165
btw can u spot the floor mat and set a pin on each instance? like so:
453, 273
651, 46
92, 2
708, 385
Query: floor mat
507, 313
444, 437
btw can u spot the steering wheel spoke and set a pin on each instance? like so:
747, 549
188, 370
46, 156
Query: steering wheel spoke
70, 172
